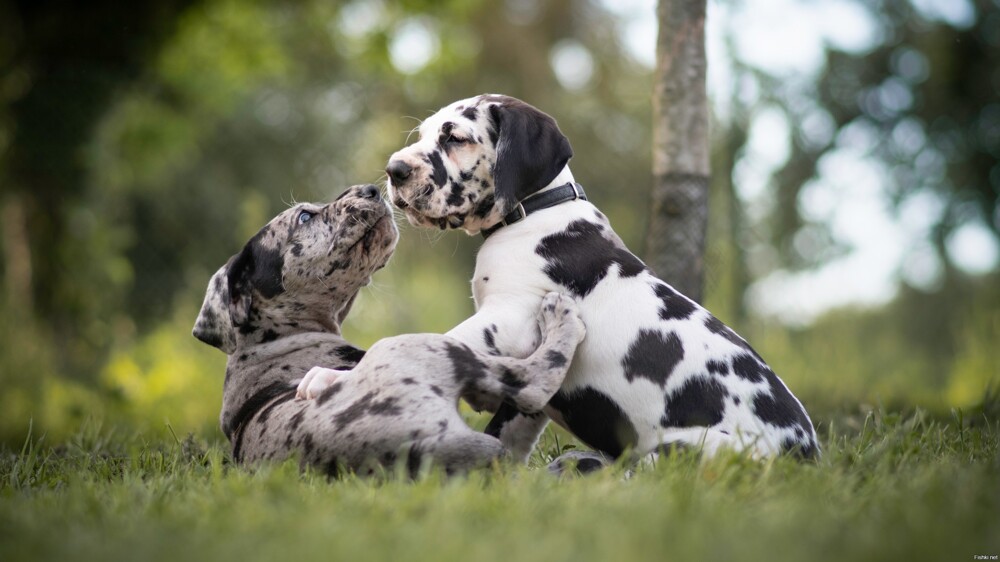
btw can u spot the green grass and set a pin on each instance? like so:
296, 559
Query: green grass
889, 487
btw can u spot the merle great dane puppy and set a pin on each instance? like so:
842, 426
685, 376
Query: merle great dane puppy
656, 370
276, 309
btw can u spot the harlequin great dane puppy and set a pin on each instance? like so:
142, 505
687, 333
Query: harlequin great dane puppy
276, 309
656, 369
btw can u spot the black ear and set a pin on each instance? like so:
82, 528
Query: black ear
255, 268
531, 150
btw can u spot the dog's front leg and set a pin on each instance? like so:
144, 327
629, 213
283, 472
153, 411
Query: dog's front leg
517, 431
508, 328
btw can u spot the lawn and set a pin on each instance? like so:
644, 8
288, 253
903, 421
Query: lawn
889, 487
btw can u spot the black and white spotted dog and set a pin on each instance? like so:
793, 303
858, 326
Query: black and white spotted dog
656, 369
276, 309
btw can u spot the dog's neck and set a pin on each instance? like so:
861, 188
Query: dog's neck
286, 316
537, 201
564, 177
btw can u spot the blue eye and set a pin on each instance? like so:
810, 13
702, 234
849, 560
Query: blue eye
305, 216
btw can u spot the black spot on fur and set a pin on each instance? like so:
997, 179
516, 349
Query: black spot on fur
485, 206
254, 403
802, 450
717, 367
579, 257
512, 381
716, 326
296, 419
268, 336
653, 356
350, 354
439, 174
407, 380
490, 341
296, 249
555, 358
675, 305
470, 113
748, 368
699, 403
504, 414
354, 411
455, 195
778, 407
328, 393
436, 390
596, 420
236, 428
337, 264
266, 411
465, 364
386, 407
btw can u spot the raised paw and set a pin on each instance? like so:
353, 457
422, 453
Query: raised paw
560, 312
316, 381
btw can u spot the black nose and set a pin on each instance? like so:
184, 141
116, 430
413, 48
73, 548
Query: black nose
398, 171
368, 191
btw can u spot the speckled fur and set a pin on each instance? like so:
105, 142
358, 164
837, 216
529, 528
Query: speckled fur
656, 370
276, 309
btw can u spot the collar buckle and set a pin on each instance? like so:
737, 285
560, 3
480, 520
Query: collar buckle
508, 219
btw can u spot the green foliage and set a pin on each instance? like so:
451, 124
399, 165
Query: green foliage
896, 488
935, 350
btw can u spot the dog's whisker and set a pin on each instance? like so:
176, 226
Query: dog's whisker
292, 202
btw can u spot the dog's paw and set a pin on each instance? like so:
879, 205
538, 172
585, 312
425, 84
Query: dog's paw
560, 312
580, 462
316, 381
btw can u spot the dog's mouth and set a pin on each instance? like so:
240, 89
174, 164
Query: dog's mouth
372, 242
448, 221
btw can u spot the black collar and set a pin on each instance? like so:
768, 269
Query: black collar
567, 192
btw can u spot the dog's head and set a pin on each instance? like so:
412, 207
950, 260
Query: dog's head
474, 161
302, 271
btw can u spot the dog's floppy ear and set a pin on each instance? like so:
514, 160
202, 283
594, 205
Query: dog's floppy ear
214, 325
531, 150
256, 268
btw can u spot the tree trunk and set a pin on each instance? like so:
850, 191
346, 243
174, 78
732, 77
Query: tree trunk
675, 240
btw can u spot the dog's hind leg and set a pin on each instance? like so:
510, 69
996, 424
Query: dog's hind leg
456, 451
706, 441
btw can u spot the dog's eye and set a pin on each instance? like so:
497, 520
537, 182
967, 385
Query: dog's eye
305, 216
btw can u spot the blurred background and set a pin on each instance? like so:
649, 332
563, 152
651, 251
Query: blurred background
853, 233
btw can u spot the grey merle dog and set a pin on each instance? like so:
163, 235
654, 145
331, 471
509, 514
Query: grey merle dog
656, 369
276, 309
